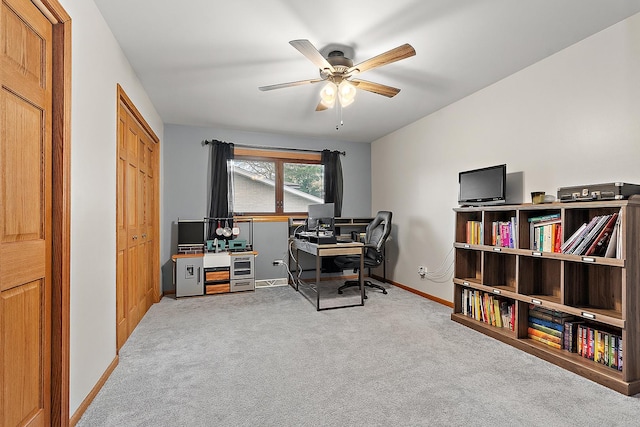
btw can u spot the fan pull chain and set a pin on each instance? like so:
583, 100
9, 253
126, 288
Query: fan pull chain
339, 113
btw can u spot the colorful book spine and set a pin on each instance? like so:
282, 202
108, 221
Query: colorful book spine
546, 323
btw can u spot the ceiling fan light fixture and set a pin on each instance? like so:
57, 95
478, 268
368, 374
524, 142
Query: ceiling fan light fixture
346, 93
328, 94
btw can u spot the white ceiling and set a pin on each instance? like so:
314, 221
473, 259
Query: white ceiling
202, 61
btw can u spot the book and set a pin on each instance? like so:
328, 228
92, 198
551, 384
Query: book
619, 353
569, 242
542, 227
546, 330
496, 313
546, 323
551, 338
591, 235
505, 235
598, 347
507, 312
570, 333
558, 239
549, 314
598, 245
544, 217
613, 351
587, 227
474, 232
580, 239
611, 251
544, 341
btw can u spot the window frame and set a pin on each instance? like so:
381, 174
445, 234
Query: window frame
279, 158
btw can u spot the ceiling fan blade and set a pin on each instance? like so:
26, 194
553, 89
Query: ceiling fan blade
307, 49
378, 88
290, 84
393, 55
321, 107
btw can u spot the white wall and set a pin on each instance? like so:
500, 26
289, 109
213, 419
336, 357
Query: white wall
570, 119
98, 64
185, 161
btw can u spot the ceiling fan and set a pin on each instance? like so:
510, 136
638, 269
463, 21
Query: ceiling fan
339, 72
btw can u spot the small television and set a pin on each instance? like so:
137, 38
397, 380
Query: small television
486, 186
191, 232
320, 217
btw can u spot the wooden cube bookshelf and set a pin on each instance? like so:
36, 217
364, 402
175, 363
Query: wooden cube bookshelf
602, 292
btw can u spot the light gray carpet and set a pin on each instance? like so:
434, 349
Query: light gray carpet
267, 358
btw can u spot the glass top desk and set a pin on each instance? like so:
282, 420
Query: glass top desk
325, 250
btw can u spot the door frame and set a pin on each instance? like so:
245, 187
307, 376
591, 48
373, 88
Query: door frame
61, 209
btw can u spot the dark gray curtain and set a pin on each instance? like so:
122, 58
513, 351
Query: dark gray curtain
333, 179
221, 205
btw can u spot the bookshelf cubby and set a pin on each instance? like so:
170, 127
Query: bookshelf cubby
600, 292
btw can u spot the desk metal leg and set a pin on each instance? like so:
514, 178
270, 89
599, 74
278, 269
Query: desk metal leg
361, 278
294, 281
318, 266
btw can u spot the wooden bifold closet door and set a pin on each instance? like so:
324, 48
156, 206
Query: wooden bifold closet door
26, 216
137, 262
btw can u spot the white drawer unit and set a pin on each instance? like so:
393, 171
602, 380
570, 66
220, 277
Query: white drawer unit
243, 285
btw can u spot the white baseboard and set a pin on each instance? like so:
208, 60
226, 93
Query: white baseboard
267, 283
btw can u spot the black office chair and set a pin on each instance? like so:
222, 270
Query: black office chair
377, 233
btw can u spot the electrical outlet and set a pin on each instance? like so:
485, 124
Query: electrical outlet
278, 262
422, 270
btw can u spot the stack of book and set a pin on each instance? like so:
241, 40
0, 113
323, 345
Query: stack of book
504, 233
474, 232
598, 237
547, 326
601, 346
488, 308
545, 233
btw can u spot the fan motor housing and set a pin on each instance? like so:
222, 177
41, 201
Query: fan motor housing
339, 62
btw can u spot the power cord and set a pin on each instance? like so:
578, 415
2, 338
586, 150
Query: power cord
442, 274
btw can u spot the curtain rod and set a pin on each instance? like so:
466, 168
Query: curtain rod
304, 150
263, 147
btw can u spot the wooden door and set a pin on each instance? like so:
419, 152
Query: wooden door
25, 214
131, 201
122, 327
137, 220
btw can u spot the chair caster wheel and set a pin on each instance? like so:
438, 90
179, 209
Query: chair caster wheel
339, 291
384, 292
365, 297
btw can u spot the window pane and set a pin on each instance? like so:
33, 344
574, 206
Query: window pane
254, 186
303, 185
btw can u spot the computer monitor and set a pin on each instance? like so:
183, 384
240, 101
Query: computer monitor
320, 217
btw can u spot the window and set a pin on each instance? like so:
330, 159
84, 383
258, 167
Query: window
266, 182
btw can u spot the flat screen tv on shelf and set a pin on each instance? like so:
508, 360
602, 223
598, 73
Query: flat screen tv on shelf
485, 186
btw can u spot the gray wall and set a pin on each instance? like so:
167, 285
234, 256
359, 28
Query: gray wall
186, 162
